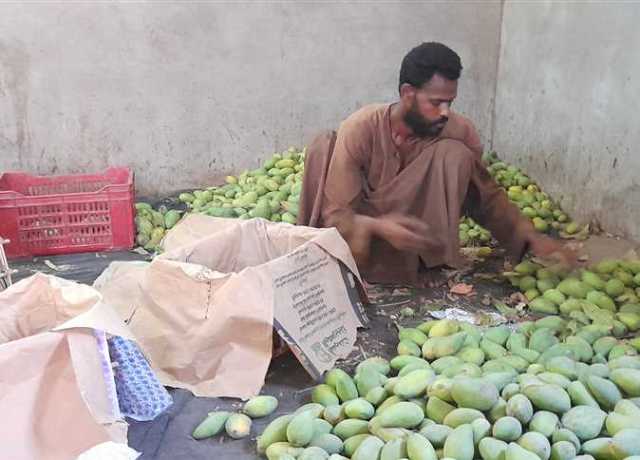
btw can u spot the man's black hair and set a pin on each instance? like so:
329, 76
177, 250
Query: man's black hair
427, 59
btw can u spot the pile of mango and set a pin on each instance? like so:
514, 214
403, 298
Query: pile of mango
271, 192
607, 292
151, 224
458, 392
544, 213
472, 234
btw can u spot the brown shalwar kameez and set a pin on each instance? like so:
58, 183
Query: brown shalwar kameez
361, 171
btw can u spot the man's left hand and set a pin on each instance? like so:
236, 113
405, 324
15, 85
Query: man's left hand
553, 250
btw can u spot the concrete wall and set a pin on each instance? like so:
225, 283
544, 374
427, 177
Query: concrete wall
567, 103
185, 92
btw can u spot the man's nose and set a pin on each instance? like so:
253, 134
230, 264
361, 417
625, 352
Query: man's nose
444, 110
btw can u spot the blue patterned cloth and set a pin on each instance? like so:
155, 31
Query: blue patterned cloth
140, 395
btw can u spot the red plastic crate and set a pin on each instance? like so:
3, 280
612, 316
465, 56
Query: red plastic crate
45, 215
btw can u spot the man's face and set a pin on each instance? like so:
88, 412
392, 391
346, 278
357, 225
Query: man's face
428, 106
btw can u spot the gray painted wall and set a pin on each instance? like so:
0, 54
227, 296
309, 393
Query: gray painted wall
187, 92
567, 105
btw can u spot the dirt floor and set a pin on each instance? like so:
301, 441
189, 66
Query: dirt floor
168, 436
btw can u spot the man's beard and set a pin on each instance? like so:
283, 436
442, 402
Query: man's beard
420, 126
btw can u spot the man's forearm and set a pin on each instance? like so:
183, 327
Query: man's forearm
357, 230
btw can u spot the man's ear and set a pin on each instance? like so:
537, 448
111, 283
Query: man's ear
407, 91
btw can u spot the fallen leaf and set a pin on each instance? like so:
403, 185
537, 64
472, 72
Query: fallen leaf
461, 289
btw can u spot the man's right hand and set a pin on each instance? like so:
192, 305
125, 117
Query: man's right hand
405, 233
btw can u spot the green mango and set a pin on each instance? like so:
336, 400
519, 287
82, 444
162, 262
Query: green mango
600, 449
628, 380
603, 345
407, 347
438, 409
401, 415
555, 296
507, 429
555, 323
520, 408
474, 393
369, 448
461, 416
630, 320
573, 287
544, 422
531, 356
626, 443
212, 425
562, 365
563, 450
580, 395
593, 332
492, 449
349, 428
604, 391
562, 434
438, 347
415, 335
472, 355
443, 328
414, 384
631, 362
510, 391
516, 452
481, 429
496, 365
614, 287
492, 350
518, 363
543, 305
500, 379
553, 378
593, 280
605, 266
570, 305
498, 334
498, 411
419, 448
441, 388
459, 444
359, 408
537, 443
300, 429
463, 370
616, 422
585, 421
581, 348
440, 365
394, 449
601, 300
542, 339
376, 395
329, 443
436, 434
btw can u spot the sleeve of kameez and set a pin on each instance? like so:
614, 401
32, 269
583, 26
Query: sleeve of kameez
472, 138
491, 207
343, 187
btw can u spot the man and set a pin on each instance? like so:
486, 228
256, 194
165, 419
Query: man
396, 177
